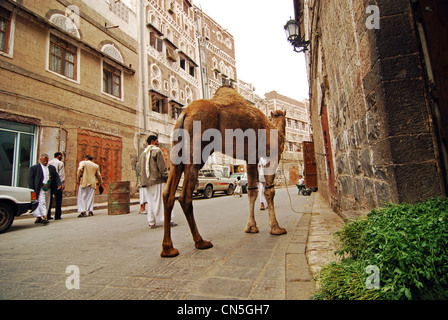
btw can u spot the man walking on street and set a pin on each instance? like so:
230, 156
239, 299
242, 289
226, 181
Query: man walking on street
88, 176
41, 178
59, 165
153, 175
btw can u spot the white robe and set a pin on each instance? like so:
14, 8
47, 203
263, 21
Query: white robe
85, 199
44, 202
154, 206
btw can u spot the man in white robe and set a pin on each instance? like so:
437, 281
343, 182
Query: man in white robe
262, 182
41, 178
153, 176
88, 176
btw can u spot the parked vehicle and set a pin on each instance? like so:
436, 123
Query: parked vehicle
15, 201
243, 176
211, 181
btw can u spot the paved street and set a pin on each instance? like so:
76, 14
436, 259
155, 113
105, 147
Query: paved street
118, 257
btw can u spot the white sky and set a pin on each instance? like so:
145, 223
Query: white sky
264, 56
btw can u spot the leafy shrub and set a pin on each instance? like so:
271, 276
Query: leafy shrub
408, 244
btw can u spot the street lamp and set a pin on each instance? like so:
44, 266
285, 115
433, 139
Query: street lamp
292, 29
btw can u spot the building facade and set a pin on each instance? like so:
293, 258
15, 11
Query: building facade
97, 77
298, 130
378, 105
68, 83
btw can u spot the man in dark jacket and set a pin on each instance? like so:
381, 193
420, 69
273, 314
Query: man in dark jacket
42, 178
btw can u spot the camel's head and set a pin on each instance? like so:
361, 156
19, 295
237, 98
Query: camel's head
278, 118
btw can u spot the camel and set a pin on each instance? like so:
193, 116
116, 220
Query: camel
226, 110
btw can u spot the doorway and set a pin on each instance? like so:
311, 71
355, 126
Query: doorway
431, 22
106, 152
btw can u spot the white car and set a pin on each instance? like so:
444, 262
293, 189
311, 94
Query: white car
15, 201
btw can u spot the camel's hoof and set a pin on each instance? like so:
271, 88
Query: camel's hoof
202, 245
169, 253
278, 231
251, 229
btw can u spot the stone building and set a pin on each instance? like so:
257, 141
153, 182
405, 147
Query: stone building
69, 83
97, 77
379, 107
217, 50
171, 64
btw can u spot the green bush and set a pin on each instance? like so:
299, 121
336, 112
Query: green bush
408, 244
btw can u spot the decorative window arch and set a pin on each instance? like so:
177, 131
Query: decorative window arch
230, 73
111, 51
228, 43
219, 36
222, 67
66, 24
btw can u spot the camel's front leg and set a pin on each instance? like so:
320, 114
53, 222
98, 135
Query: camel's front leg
252, 193
270, 193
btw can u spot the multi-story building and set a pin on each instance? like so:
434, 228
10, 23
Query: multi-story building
298, 129
69, 82
171, 63
217, 50
96, 77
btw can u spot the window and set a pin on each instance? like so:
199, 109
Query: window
111, 80
159, 104
192, 71
5, 27
63, 57
155, 41
175, 111
16, 153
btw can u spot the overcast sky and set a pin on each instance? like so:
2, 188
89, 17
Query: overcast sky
263, 55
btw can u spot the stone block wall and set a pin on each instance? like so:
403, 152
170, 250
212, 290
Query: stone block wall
373, 84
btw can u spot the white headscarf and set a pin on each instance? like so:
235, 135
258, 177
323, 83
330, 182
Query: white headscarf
147, 152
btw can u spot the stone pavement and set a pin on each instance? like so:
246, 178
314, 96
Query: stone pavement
312, 247
119, 264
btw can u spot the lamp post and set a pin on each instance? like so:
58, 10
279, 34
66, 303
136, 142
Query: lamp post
292, 29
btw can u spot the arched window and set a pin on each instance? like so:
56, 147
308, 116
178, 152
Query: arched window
111, 51
65, 23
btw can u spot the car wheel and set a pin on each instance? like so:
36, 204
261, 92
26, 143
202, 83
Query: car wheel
6, 217
230, 190
208, 192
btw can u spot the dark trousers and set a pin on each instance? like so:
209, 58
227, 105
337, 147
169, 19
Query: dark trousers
58, 197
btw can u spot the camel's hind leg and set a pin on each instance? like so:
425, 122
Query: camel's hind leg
186, 202
169, 197
252, 193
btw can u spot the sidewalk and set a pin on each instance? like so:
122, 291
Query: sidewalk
312, 246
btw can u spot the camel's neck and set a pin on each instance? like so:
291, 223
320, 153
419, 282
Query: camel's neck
280, 124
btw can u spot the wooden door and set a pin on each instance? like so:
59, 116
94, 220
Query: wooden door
327, 148
433, 15
106, 152
310, 167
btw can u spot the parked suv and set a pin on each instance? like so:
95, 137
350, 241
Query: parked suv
15, 201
